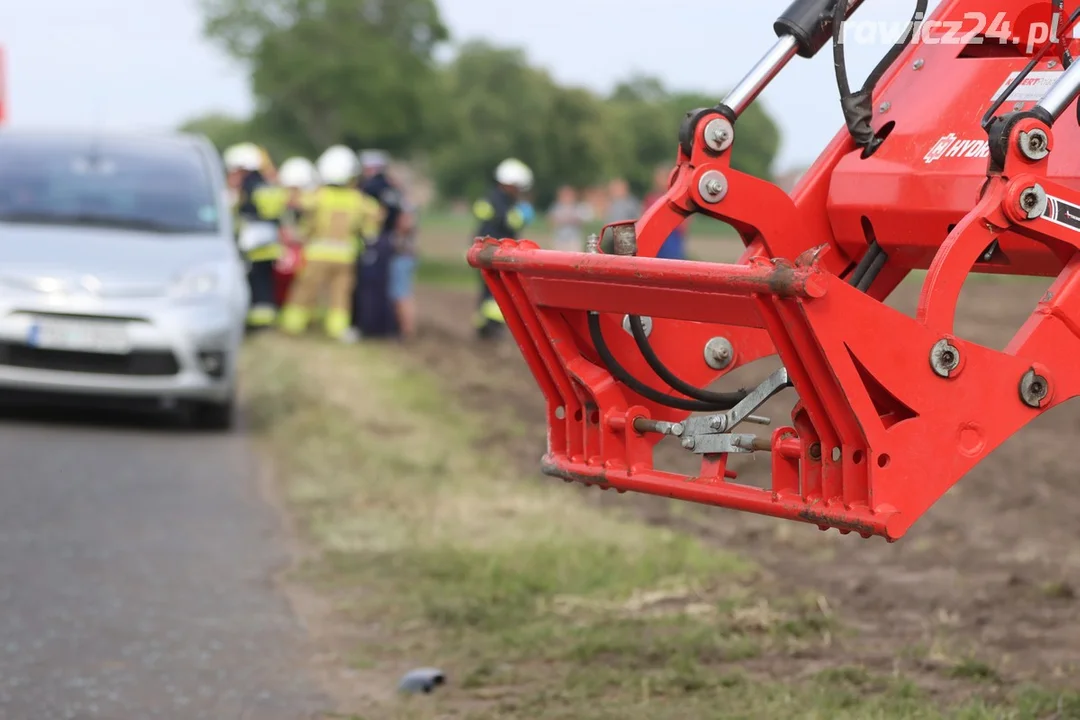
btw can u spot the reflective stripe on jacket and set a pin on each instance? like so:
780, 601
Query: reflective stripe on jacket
337, 222
268, 203
499, 216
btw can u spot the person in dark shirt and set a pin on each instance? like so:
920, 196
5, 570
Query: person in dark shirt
375, 182
500, 216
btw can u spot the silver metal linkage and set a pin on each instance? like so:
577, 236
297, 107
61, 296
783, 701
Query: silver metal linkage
708, 434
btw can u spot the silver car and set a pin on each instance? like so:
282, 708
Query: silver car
119, 275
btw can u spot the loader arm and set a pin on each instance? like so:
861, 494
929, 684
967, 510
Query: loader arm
952, 162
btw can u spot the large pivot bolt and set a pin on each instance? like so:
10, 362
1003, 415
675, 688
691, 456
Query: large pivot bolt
1034, 144
719, 353
944, 358
713, 186
1033, 202
719, 134
1033, 388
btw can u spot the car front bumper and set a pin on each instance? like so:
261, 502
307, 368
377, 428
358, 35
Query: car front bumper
177, 351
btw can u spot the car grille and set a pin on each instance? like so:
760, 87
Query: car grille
140, 362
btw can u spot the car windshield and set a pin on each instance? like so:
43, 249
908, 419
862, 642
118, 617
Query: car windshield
160, 187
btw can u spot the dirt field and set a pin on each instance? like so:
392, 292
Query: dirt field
980, 594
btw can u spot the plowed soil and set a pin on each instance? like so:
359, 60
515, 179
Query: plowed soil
987, 576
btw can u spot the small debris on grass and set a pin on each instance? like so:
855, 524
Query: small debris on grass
421, 680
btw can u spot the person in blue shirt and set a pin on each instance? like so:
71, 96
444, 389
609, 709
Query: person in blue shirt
674, 248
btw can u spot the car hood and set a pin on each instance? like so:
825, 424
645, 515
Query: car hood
105, 261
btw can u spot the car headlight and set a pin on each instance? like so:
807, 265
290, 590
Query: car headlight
199, 283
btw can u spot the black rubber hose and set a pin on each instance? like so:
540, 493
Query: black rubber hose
857, 106
726, 400
620, 373
898, 48
864, 264
872, 272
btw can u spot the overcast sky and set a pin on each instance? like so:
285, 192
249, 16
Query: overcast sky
142, 63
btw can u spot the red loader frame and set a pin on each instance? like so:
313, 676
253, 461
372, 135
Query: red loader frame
961, 175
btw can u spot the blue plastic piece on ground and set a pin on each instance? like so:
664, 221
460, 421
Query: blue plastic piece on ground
422, 680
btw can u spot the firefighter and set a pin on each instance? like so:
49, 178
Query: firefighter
258, 209
500, 216
298, 179
338, 221
240, 160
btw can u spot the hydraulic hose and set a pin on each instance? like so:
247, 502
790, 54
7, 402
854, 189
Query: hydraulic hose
863, 284
724, 400
857, 106
868, 268
621, 374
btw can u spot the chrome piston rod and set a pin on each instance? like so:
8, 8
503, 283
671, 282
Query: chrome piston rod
775, 60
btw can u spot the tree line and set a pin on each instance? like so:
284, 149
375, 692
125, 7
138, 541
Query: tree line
364, 73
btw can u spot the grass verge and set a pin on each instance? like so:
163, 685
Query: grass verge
537, 605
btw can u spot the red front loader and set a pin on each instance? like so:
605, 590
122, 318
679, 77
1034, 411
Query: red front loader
955, 159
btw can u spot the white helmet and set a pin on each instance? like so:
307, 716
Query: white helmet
374, 159
515, 173
298, 172
337, 166
244, 156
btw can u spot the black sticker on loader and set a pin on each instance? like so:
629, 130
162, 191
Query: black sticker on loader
1062, 213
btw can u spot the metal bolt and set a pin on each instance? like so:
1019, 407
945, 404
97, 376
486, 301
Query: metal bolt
713, 186
1033, 388
677, 429
719, 134
1033, 202
836, 454
646, 325
1034, 144
1052, 64
625, 239
719, 353
719, 423
689, 443
918, 64
560, 412
1018, 106
885, 107
592, 243
944, 358
815, 451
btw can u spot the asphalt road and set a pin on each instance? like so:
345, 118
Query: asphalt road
136, 566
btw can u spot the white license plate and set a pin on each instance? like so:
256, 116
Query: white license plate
79, 335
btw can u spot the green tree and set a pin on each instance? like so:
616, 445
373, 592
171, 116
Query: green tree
498, 108
328, 71
643, 119
363, 72
222, 130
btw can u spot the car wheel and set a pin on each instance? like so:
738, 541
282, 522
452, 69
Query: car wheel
213, 416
